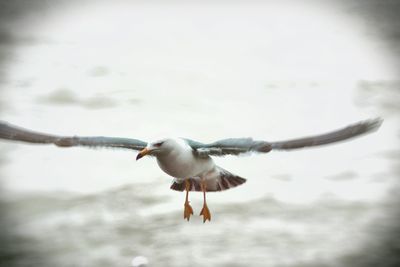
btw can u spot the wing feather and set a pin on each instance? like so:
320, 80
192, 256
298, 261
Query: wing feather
231, 146
346, 133
236, 146
12, 132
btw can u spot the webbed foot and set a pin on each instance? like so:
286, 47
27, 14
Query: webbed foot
188, 211
206, 213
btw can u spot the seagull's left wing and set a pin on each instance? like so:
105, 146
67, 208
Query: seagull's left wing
231, 146
12, 132
236, 146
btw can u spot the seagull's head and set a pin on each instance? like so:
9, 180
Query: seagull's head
157, 148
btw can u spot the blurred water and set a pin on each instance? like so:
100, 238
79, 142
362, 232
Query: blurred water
178, 71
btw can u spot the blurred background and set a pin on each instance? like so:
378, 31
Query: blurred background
205, 70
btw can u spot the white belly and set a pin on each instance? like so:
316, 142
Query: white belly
185, 165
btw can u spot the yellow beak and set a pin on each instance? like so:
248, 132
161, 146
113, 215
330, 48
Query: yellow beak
142, 153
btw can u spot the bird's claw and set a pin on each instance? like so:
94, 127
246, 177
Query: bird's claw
206, 213
188, 211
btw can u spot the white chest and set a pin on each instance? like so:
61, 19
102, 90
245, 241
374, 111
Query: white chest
184, 164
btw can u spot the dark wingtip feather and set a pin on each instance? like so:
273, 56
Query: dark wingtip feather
373, 124
364, 127
351, 131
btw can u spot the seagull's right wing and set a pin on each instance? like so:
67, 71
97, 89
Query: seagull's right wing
236, 146
15, 133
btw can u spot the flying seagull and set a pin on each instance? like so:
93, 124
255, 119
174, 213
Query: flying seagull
189, 162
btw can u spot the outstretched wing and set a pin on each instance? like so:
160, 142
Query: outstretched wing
231, 146
15, 133
236, 146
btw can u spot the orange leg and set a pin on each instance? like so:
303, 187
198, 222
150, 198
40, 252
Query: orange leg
205, 211
188, 209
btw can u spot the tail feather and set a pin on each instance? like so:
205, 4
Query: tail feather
223, 181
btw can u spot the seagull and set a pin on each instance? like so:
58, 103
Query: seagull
190, 162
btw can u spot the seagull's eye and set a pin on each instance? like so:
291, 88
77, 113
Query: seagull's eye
158, 144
